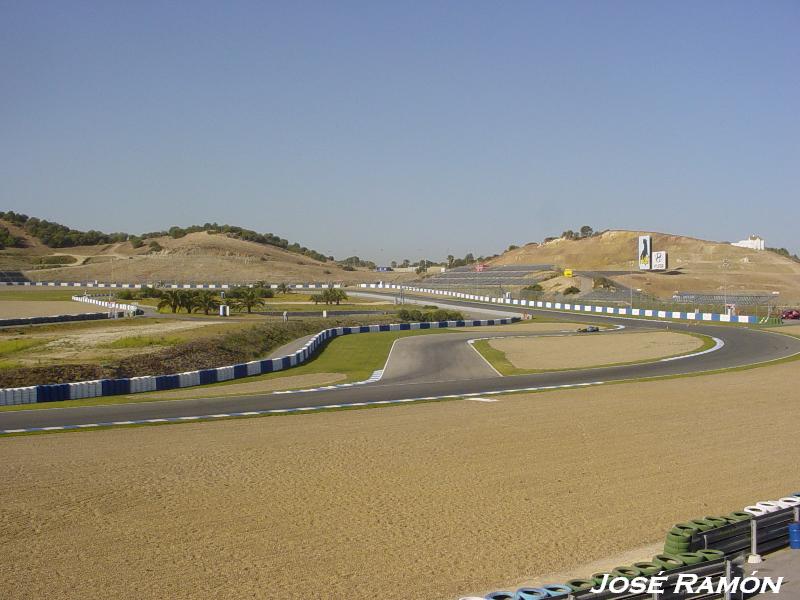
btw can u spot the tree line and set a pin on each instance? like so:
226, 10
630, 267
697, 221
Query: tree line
243, 299
57, 235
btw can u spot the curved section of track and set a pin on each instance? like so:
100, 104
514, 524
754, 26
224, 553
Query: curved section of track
742, 347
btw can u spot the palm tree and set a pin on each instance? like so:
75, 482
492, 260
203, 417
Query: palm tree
171, 298
188, 300
248, 299
317, 298
206, 301
284, 288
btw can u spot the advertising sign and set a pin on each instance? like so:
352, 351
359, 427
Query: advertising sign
660, 261
645, 250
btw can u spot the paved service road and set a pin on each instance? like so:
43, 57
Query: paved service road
429, 374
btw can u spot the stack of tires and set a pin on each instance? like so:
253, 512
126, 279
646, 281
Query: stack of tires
768, 506
680, 536
676, 554
529, 593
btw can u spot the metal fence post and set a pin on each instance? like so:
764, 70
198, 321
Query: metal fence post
753, 557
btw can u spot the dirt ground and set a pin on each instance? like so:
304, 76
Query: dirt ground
90, 343
579, 351
12, 309
426, 501
529, 327
252, 387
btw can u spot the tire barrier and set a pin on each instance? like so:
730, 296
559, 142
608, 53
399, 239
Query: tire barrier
568, 307
149, 383
702, 547
55, 319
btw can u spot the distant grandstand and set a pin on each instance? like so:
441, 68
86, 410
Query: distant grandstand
12, 276
738, 299
504, 276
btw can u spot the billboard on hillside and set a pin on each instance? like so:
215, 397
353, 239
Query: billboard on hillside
645, 252
660, 261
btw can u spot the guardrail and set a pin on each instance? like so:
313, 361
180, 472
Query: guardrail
150, 383
576, 307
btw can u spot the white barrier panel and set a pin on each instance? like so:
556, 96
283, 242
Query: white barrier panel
224, 373
254, 367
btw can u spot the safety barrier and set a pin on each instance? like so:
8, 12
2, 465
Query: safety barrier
169, 286
52, 319
129, 308
569, 307
110, 387
709, 548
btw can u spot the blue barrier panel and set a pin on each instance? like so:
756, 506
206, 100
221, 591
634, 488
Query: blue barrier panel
208, 376
163, 382
461, 324
424, 325
287, 362
39, 393
405, 326
346, 330
239, 371
266, 366
383, 328
105, 387
123, 386
443, 324
363, 329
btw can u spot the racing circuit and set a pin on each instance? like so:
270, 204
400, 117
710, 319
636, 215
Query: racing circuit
433, 367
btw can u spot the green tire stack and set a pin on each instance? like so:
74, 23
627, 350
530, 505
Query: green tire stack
680, 536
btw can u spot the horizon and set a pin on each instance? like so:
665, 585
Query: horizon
391, 132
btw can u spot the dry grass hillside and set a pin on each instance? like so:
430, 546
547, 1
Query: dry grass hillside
196, 257
694, 265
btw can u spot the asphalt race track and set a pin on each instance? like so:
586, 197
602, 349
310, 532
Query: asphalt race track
440, 365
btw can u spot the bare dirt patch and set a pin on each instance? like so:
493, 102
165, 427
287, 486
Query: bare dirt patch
528, 327
253, 387
12, 309
428, 501
580, 351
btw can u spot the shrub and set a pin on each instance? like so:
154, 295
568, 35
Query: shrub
572, 290
56, 260
429, 316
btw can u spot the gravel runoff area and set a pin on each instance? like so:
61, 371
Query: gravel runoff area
589, 350
423, 501
14, 309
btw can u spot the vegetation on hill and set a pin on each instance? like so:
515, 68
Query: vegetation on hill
7, 240
56, 235
784, 252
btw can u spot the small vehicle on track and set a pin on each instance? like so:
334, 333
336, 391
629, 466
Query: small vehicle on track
589, 329
792, 313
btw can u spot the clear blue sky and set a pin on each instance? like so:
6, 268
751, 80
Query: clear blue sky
405, 129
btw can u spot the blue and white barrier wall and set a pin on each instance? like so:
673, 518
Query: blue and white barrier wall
165, 286
151, 383
586, 308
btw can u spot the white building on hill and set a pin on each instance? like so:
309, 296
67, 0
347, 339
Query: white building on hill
753, 242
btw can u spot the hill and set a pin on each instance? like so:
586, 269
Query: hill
695, 265
200, 256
